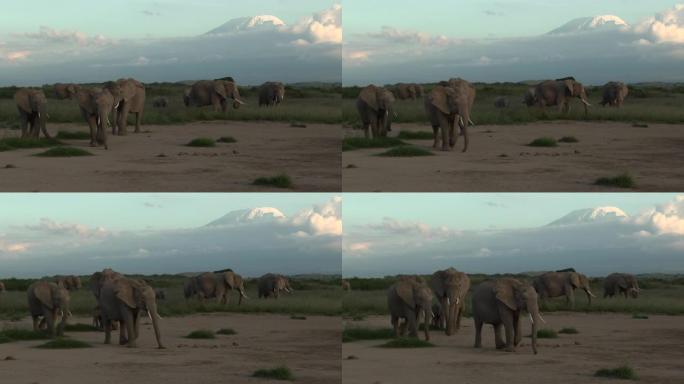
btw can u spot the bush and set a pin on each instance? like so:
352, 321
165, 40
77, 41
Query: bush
543, 142
22, 334
201, 142
279, 181
79, 327
64, 152
201, 334
640, 316
406, 151
547, 334
279, 373
623, 372
11, 143
621, 181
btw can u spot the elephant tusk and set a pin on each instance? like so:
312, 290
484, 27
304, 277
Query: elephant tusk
240, 101
591, 294
542, 319
117, 105
61, 313
458, 301
68, 313
531, 319
98, 120
448, 302
460, 121
149, 315
586, 103
471, 122
47, 115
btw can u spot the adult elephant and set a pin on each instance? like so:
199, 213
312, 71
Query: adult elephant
614, 94
218, 285
559, 93
621, 283
376, 108
190, 288
70, 283
407, 299
466, 87
49, 301
122, 300
405, 91
65, 91
530, 97
160, 102
96, 104
450, 287
215, 93
32, 108
556, 284
271, 93
500, 302
445, 107
272, 284
129, 97
419, 90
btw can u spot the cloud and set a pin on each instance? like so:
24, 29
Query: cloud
16, 55
665, 27
52, 227
54, 36
324, 219
322, 27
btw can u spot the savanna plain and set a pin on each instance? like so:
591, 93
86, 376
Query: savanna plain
614, 339
295, 338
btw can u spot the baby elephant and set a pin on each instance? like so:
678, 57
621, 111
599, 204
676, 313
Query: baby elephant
407, 299
160, 102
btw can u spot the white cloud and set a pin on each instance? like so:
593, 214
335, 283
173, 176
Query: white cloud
54, 36
324, 219
665, 27
321, 27
52, 227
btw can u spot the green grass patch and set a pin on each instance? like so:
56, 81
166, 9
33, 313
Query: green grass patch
545, 333
73, 135
623, 372
568, 139
620, 181
64, 152
356, 334
352, 143
543, 142
278, 373
201, 334
226, 331
640, 316
407, 343
12, 143
13, 334
279, 181
202, 142
226, 139
79, 327
569, 331
62, 343
406, 151
415, 135
297, 317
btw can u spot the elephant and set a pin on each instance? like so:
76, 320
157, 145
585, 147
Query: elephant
215, 93
450, 287
621, 283
271, 93
71, 283
65, 91
190, 288
122, 300
98, 279
96, 104
346, 286
217, 285
559, 92
437, 316
501, 102
271, 284
614, 94
160, 102
160, 294
420, 91
376, 108
406, 91
32, 108
48, 300
97, 318
407, 299
445, 107
500, 302
555, 284
530, 97
129, 97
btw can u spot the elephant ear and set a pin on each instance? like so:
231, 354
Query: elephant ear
387, 97
505, 293
44, 294
405, 292
23, 101
220, 89
575, 280
439, 98
126, 293
230, 279
370, 96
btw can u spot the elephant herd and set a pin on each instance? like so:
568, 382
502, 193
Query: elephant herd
127, 96
450, 103
499, 302
122, 300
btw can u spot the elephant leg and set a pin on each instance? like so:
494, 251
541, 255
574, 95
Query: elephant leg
23, 122
50, 317
435, 133
508, 328
92, 124
366, 128
478, 333
517, 329
395, 325
136, 327
138, 121
498, 341
452, 135
444, 125
129, 324
123, 118
411, 320
107, 329
402, 327
374, 125
459, 314
36, 321
444, 314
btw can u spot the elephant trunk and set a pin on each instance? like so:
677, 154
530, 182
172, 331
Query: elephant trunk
152, 312
535, 320
426, 324
589, 294
451, 316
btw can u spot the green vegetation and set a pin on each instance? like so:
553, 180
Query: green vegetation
640, 316
569, 331
15, 334
201, 142
64, 152
63, 343
406, 151
226, 139
355, 334
352, 143
545, 333
297, 317
279, 181
201, 334
73, 135
623, 372
80, 327
226, 331
406, 343
12, 143
279, 373
568, 139
621, 181
544, 142
415, 135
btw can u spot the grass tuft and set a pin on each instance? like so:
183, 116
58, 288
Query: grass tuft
226, 331
406, 343
415, 135
62, 343
64, 152
569, 330
352, 143
73, 135
406, 151
279, 373
547, 334
11, 143
201, 142
623, 372
296, 317
621, 181
79, 327
226, 139
544, 142
12, 334
640, 316
201, 334
279, 181
568, 139
355, 334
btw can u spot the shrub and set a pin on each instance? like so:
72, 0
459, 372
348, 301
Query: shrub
62, 343
279, 373
547, 334
624, 372
568, 139
11, 143
201, 142
226, 139
568, 331
621, 181
353, 143
415, 135
201, 334
226, 331
543, 142
279, 181
640, 316
355, 334
64, 152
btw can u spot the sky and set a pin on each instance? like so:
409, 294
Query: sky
170, 40
491, 41
497, 233
49, 234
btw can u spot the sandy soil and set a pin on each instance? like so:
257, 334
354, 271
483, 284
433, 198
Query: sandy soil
310, 348
652, 347
498, 160
310, 156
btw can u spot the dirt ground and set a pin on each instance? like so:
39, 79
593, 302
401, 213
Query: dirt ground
158, 160
653, 348
310, 348
499, 160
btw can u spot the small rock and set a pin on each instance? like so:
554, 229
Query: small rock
578, 343
161, 155
577, 152
9, 358
352, 357
503, 155
350, 166
8, 166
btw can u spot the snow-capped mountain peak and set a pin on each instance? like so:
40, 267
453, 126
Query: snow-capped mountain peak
588, 24
591, 215
261, 214
261, 22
